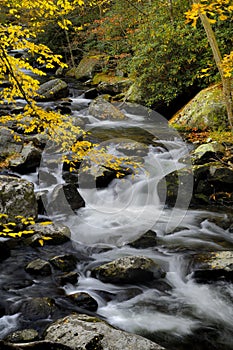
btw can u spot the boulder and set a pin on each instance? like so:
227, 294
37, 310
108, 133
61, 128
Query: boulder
82, 332
55, 233
213, 266
66, 194
17, 197
52, 90
104, 110
205, 110
34, 309
87, 67
134, 94
207, 151
213, 183
128, 269
39, 267
111, 84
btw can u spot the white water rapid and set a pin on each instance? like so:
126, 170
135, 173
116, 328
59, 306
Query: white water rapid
178, 311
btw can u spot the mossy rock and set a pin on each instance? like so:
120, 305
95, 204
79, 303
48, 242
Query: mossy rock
87, 67
205, 110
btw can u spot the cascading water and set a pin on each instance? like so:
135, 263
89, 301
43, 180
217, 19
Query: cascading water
177, 311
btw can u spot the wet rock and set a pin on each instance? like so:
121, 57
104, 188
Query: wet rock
129, 269
213, 266
82, 332
84, 301
66, 195
55, 233
104, 110
36, 308
27, 160
71, 277
4, 251
54, 89
207, 152
39, 267
206, 110
17, 197
66, 262
23, 336
147, 240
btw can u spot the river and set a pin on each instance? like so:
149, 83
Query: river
177, 311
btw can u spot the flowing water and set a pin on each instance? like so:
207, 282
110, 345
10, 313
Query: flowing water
175, 311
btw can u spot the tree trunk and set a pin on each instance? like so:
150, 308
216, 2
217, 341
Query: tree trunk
226, 82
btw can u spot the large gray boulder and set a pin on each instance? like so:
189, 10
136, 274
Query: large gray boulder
52, 90
81, 332
205, 110
17, 197
104, 110
128, 269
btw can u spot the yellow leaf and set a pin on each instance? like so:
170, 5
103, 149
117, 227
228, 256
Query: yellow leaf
41, 242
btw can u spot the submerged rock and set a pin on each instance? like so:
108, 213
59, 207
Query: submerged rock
213, 266
17, 197
82, 332
147, 240
129, 269
84, 301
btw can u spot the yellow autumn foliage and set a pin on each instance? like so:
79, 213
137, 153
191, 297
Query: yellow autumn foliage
24, 20
214, 10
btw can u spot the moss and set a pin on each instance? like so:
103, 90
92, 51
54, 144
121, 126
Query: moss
106, 78
206, 109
